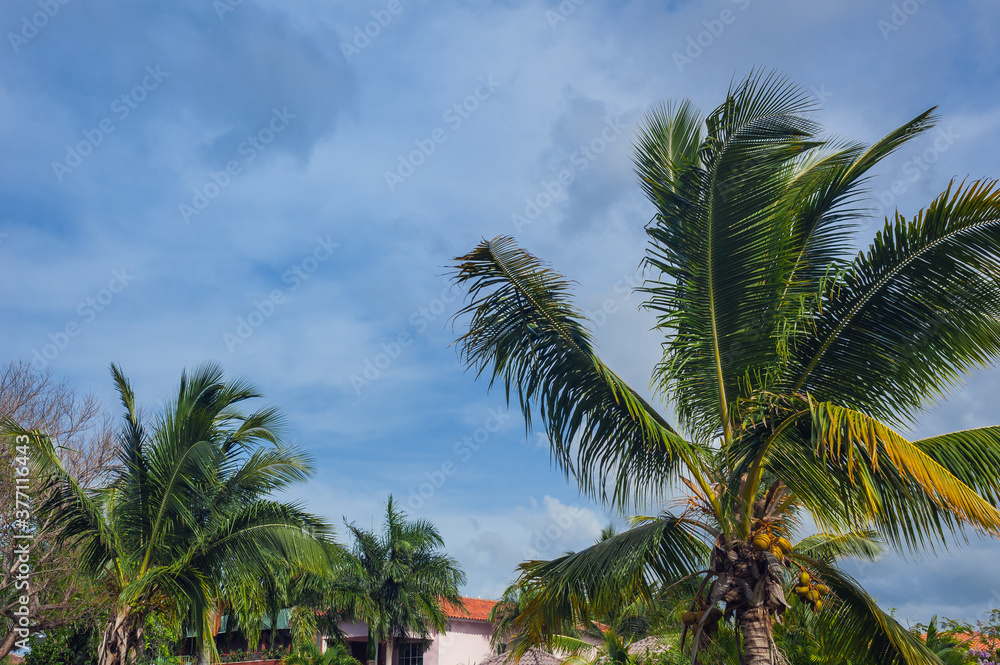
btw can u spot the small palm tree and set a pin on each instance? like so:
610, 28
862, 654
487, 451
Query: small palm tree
395, 581
944, 646
185, 524
612, 649
790, 365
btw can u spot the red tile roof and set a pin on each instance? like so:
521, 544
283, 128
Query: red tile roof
976, 641
476, 609
971, 641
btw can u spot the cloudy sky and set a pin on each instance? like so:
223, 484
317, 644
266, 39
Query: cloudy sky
279, 187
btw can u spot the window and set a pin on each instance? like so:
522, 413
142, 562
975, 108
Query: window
411, 653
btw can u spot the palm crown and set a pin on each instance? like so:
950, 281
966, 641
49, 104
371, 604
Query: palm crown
396, 581
184, 525
790, 365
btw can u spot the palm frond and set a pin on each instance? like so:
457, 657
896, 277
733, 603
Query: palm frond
830, 547
527, 335
858, 631
826, 194
972, 456
899, 485
718, 245
913, 315
606, 576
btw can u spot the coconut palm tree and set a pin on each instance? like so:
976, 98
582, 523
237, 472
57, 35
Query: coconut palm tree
184, 525
791, 367
395, 581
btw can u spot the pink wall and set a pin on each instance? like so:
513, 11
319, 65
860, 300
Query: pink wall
467, 642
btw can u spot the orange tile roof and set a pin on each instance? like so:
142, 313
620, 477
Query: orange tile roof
975, 641
476, 609
970, 641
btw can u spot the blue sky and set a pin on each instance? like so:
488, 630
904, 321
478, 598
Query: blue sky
279, 186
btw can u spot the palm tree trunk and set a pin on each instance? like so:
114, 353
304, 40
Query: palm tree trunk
388, 650
205, 651
758, 645
120, 640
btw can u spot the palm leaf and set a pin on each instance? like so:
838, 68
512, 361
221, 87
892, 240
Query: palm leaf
604, 577
829, 547
879, 463
531, 338
972, 456
914, 314
718, 244
825, 195
858, 631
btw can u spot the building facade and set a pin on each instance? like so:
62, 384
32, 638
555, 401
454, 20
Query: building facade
465, 642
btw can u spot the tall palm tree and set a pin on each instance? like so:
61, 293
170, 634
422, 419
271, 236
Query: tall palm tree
395, 581
185, 523
790, 366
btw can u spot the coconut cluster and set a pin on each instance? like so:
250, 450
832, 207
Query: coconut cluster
810, 591
779, 546
711, 616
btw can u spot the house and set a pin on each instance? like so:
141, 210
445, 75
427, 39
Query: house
465, 642
978, 642
532, 657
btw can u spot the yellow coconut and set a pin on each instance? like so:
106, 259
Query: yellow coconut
818, 606
804, 578
761, 542
801, 589
823, 589
784, 544
813, 595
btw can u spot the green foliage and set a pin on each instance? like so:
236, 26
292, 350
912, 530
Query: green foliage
64, 646
185, 520
789, 362
396, 579
309, 654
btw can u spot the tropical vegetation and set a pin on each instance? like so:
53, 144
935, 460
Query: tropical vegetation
792, 368
397, 579
184, 524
